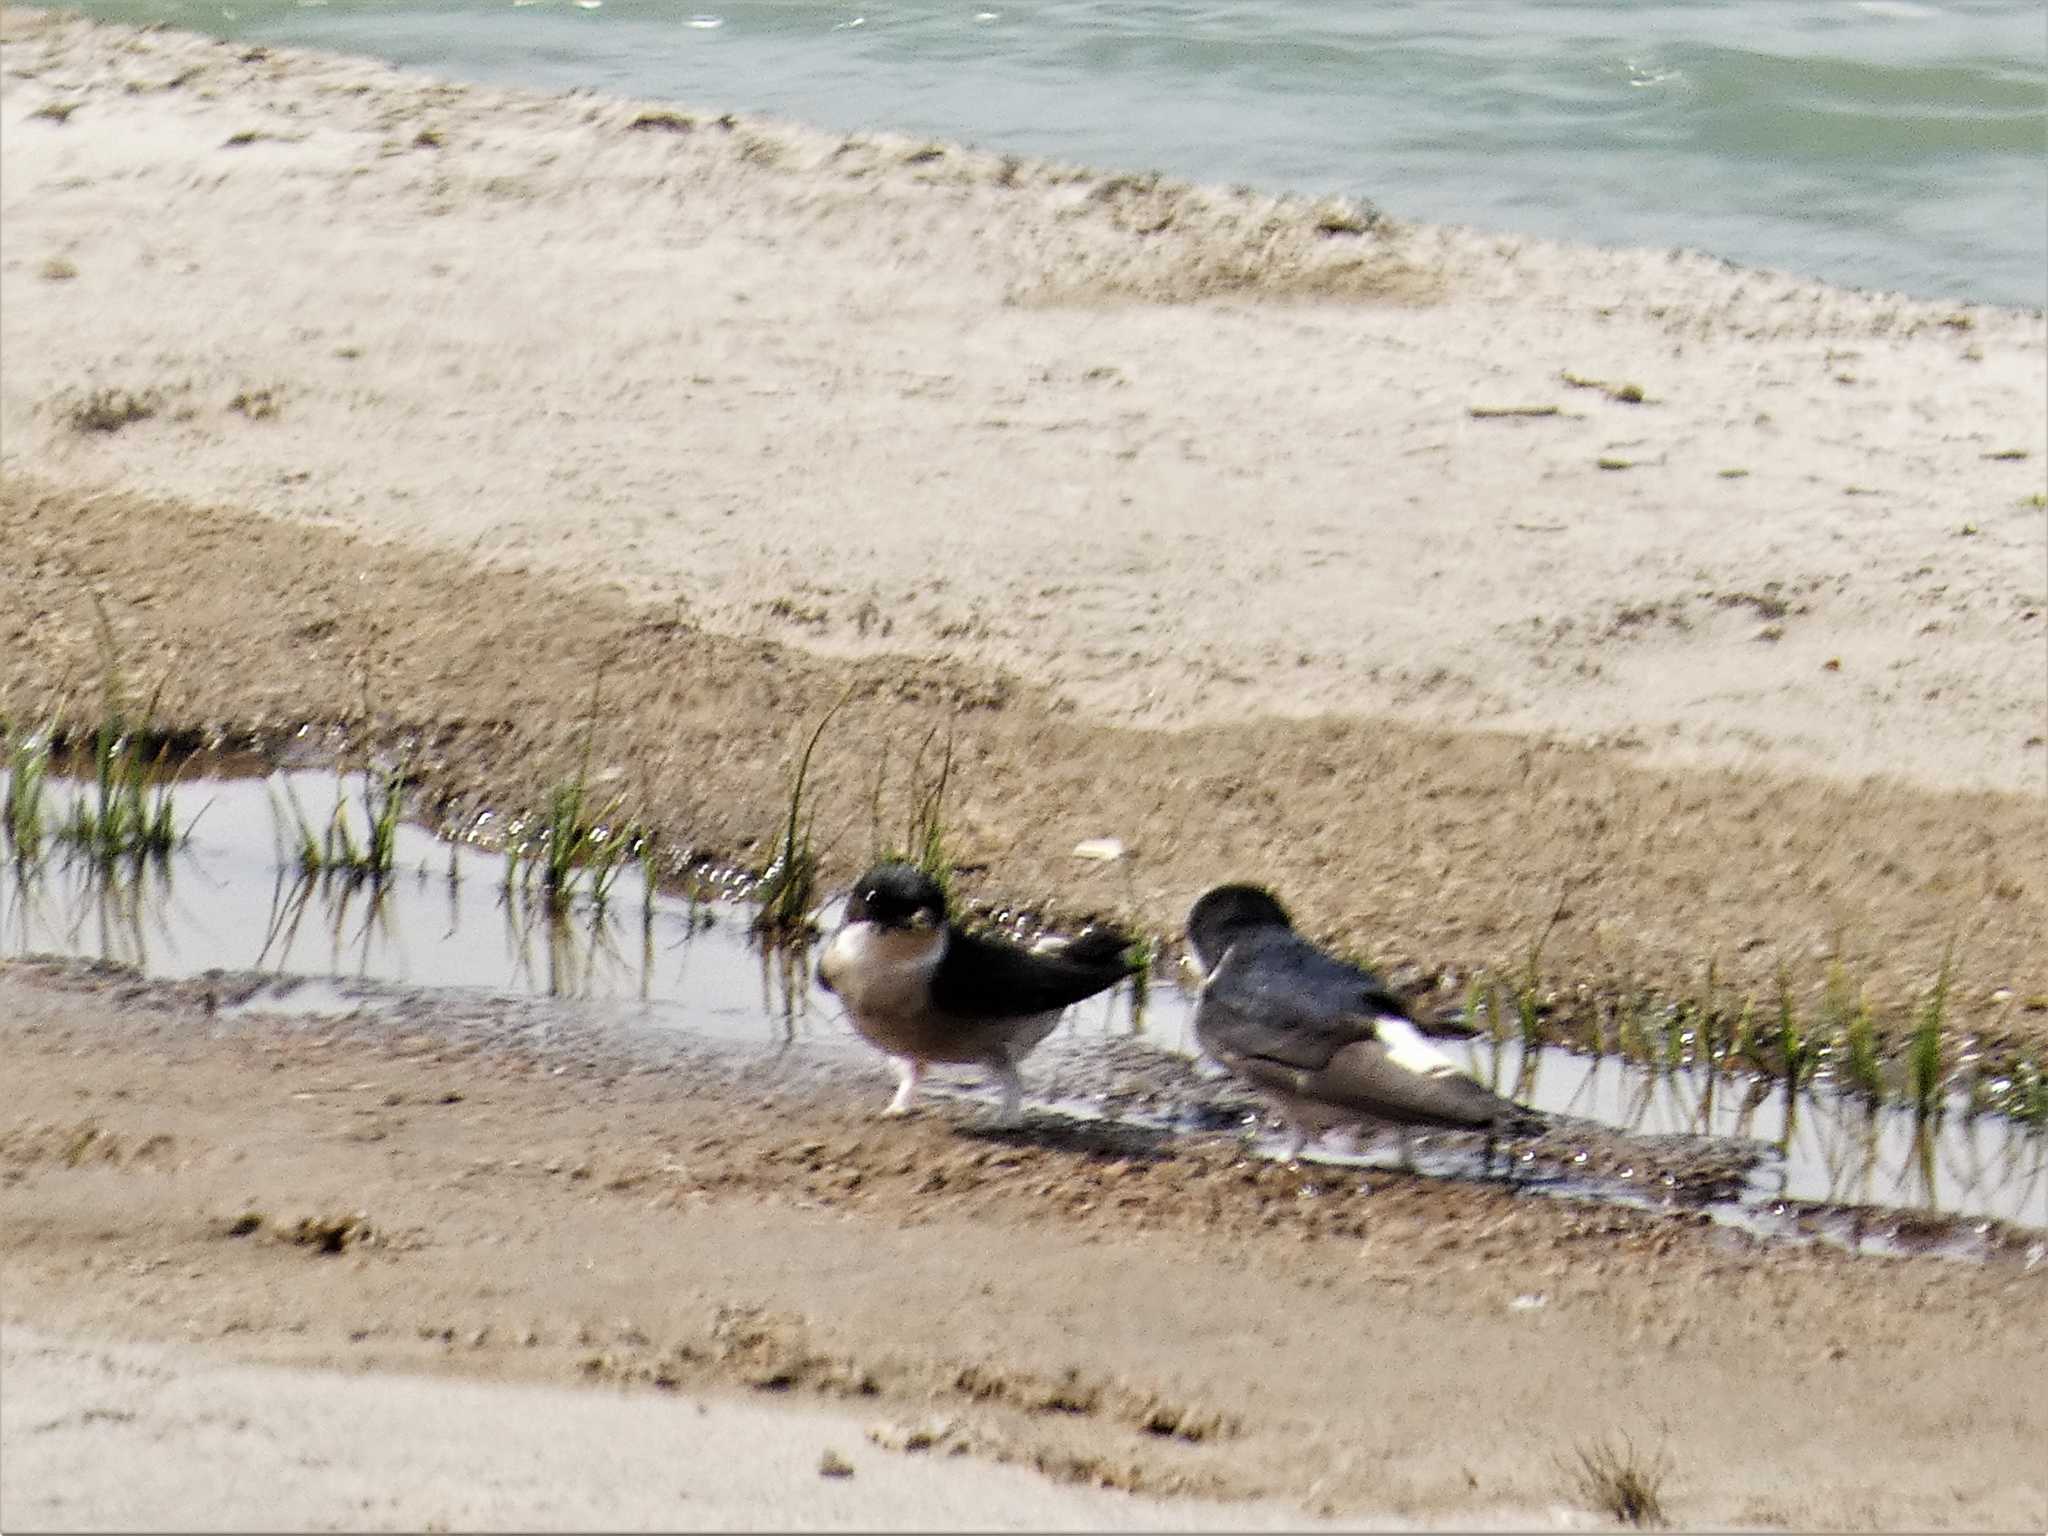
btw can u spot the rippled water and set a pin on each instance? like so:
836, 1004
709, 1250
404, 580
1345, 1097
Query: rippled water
1882, 143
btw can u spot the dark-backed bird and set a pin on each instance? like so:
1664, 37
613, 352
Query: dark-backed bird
923, 989
1327, 1043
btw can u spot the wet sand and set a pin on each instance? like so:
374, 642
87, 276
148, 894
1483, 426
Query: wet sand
387, 412
1439, 854
515, 1195
1169, 501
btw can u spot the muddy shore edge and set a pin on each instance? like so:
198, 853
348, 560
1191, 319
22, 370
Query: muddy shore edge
1436, 854
513, 1191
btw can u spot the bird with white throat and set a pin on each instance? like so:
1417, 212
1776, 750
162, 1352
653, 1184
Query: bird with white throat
923, 989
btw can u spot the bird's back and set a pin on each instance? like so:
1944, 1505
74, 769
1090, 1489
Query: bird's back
983, 977
1320, 1032
1275, 994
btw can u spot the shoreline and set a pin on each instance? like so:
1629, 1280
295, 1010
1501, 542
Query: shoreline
1389, 194
1220, 454
1442, 855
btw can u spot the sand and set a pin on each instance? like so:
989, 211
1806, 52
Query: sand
576, 1205
277, 1449
1168, 501
1175, 452
403, 412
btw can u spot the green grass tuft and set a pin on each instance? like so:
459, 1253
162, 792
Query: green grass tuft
1859, 1058
1926, 1077
335, 850
1142, 955
924, 840
28, 778
128, 812
1798, 1055
924, 843
790, 883
124, 815
579, 848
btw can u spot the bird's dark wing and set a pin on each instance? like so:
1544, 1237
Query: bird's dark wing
1097, 947
987, 978
1283, 999
1290, 1019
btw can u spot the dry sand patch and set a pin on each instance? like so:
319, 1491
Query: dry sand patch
1470, 590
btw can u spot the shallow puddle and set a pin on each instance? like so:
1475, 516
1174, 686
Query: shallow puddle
1836, 1150
231, 898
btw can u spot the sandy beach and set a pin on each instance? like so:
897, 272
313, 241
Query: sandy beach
1473, 591
1178, 454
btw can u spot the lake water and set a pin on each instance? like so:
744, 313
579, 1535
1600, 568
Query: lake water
1894, 144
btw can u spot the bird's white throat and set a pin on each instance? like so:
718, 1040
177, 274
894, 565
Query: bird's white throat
876, 969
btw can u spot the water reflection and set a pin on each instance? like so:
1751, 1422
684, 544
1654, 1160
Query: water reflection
234, 897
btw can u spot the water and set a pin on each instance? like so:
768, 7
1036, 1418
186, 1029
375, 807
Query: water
1893, 144
230, 899
1837, 1149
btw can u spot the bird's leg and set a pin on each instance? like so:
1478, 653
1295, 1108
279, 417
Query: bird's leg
1298, 1138
1407, 1149
909, 1070
1011, 1111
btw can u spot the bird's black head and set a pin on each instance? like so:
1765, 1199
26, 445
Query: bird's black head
1221, 917
897, 896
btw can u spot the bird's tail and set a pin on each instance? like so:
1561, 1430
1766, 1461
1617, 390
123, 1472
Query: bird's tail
1102, 949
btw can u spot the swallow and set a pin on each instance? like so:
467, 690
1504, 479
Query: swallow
1326, 1042
923, 989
